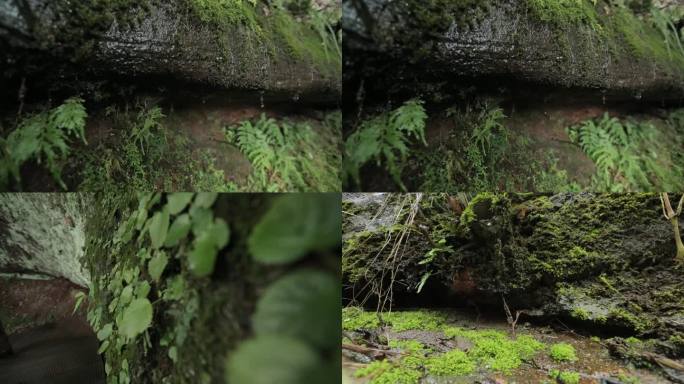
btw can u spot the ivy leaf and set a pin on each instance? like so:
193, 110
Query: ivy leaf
279, 359
105, 332
126, 295
202, 257
175, 288
142, 289
304, 305
103, 347
159, 227
173, 354
178, 201
205, 199
157, 264
178, 231
296, 225
136, 318
219, 233
201, 219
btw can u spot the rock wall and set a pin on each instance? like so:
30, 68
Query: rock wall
600, 48
602, 259
44, 233
151, 38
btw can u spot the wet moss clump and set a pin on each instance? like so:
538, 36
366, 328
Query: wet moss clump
563, 352
491, 349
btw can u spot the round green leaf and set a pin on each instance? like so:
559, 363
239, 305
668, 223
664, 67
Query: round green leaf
126, 295
178, 201
178, 231
159, 227
272, 359
105, 332
202, 219
157, 264
142, 289
136, 318
219, 233
296, 225
305, 305
205, 199
202, 257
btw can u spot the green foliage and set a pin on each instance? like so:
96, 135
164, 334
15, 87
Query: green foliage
565, 12
159, 227
384, 372
355, 318
630, 155
157, 264
279, 359
495, 350
672, 36
297, 314
296, 225
385, 139
148, 125
169, 163
452, 363
563, 352
565, 377
304, 33
288, 156
43, 138
137, 317
303, 305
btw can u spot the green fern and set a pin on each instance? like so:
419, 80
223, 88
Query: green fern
385, 139
147, 127
44, 138
288, 156
628, 155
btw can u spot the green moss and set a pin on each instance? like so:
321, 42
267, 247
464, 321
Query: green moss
580, 314
632, 340
354, 318
563, 352
495, 350
566, 377
384, 372
625, 317
408, 346
226, 13
452, 363
422, 320
564, 12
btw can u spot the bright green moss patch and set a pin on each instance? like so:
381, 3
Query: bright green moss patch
495, 350
408, 346
563, 352
354, 318
384, 372
423, 320
567, 377
564, 12
226, 12
452, 363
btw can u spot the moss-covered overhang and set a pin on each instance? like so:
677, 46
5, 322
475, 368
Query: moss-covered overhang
266, 50
601, 49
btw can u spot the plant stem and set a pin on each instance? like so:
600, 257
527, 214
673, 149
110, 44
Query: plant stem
678, 241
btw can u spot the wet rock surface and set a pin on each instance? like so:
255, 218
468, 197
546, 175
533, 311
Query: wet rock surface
500, 43
165, 42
